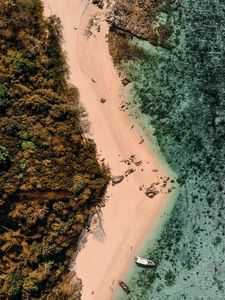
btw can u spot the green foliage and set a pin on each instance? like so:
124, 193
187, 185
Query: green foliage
13, 283
23, 165
52, 181
4, 101
29, 4
30, 285
79, 184
19, 176
56, 58
4, 157
21, 65
28, 145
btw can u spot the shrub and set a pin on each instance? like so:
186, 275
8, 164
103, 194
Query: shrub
13, 284
4, 101
4, 158
28, 145
21, 65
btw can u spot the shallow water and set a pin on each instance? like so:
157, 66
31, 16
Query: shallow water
182, 93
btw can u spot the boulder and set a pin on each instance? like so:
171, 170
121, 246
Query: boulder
102, 100
151, 192
117, 179
125, 81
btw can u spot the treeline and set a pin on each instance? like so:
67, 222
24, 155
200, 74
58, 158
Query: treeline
50, 179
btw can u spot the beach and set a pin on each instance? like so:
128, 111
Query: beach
129, 215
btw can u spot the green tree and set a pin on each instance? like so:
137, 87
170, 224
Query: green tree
4, 158
4, 101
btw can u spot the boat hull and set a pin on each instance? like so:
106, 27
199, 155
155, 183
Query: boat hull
143, 262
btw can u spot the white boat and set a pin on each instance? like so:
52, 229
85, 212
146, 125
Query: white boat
144, 262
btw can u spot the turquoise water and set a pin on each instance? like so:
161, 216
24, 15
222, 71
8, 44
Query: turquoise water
181, 91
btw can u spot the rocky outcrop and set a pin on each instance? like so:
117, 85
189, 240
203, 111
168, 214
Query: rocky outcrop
138, 18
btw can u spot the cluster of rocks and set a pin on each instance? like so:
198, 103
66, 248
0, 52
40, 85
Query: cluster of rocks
165, 181
93, 27
151, 191
99, 3
132, 159
129, 171
124, 106
159, 186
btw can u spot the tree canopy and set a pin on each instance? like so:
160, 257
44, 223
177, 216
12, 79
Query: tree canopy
51, 181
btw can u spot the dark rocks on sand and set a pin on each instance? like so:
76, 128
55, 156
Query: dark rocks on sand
151, 191
141, 141
129, 171
117, 179
125, 81
99, 3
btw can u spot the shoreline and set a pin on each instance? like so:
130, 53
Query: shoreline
147, 243
129, 215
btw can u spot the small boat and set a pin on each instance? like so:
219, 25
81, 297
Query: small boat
124, 287
144, 262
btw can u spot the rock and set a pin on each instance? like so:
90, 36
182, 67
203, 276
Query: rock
141, 187
141, 141
151, 192
125, 81
138, 163
102, 100
129, 171
99, 3
117, 179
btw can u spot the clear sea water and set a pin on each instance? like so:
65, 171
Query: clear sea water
181, 92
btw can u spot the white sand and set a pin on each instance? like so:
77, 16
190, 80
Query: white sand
128, 215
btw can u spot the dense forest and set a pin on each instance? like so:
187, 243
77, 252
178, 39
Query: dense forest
50, 179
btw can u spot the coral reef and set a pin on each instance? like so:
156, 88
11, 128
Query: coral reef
181, 93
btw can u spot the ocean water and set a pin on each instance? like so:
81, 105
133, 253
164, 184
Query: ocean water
181, 92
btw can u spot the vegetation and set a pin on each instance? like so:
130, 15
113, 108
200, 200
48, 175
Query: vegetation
121, 47
51, 181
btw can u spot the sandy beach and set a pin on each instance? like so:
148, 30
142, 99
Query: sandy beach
129, 215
